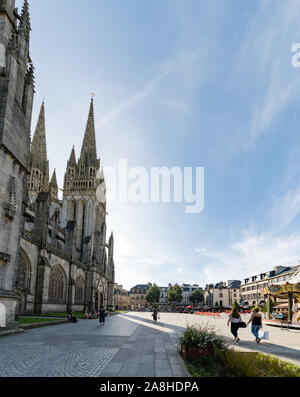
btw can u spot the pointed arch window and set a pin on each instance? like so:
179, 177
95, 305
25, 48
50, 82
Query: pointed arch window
79, 290
23, 272
57, 285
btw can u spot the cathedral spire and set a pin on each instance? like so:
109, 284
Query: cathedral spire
25, 25
89, 152
39, 146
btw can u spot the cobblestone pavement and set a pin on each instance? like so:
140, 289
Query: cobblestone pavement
129, 345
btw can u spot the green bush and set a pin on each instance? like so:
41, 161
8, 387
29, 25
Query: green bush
251, 364
203, 337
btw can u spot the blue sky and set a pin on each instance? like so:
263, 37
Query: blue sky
182, 83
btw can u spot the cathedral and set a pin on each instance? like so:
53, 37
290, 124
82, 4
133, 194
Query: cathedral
54, 254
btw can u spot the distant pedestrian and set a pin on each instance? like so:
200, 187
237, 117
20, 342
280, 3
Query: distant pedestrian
102, 315
70, 315
86, 314
256, 320
235, 320
155, 314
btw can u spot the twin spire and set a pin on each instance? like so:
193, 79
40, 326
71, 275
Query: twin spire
87, 165
88, 151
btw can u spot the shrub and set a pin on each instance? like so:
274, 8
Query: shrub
203, 337
251, 364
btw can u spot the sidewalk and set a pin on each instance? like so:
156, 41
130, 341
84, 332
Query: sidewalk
147, 353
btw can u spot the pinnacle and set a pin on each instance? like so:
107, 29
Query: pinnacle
72, 159
25, 25
39, 146
53, 182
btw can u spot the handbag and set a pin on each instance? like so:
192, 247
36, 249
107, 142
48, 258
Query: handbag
242, 324
263, 334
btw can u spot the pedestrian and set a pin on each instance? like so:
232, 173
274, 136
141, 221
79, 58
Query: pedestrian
256, 320
154, 315
102, 315
86, 314
235, 320
70, 315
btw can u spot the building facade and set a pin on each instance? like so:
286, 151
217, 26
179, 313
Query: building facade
252, 287
138, 296
54, 254
222, 294
187, 290
234, 292
163, 298
122, 298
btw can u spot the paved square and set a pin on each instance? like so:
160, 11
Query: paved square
129, 345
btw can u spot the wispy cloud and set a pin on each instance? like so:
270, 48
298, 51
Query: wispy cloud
250, 255
284, 209
176, 64
133, 100
265, 50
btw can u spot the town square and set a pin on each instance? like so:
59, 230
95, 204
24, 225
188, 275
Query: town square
130, 345
149, 191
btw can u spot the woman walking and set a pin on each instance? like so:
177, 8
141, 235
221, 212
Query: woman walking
102, 315
256, 321
154, 315
235, 320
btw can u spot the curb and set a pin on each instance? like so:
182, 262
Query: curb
43, 324
11, 331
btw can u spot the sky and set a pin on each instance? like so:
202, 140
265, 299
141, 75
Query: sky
194, 83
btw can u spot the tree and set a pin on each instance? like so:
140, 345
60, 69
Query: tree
235, 305
175, 294
153, 294
197, 297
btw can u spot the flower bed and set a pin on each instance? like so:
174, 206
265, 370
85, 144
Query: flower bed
200, 341
208, 354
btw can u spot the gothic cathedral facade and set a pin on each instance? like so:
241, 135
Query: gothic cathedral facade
54, 254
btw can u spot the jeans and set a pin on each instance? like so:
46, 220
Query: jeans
254, 330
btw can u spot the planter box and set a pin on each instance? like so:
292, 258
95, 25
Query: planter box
194, 352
